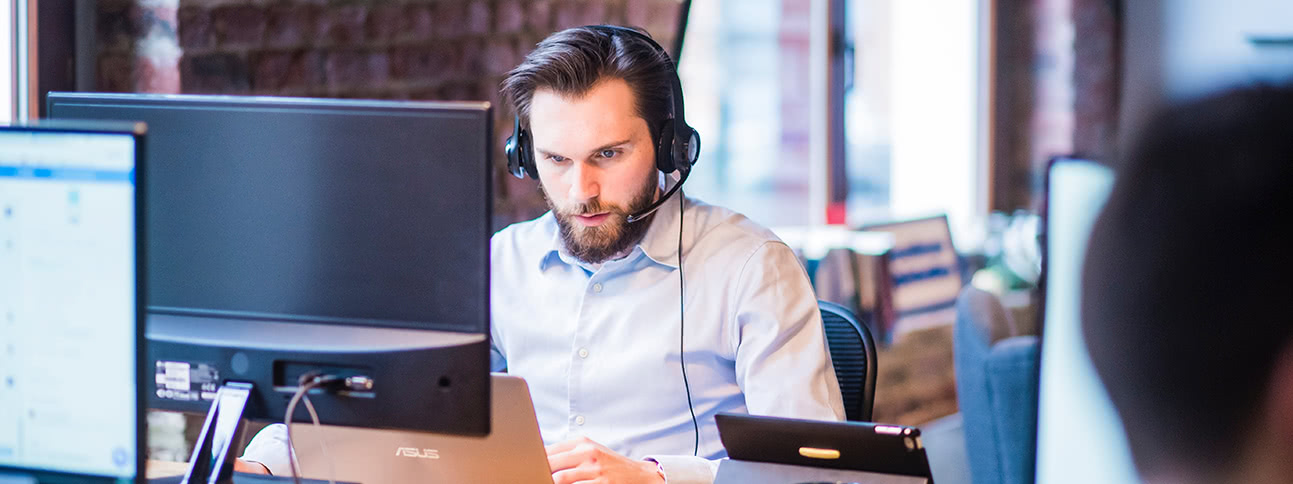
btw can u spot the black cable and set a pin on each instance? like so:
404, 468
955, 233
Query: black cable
682, 330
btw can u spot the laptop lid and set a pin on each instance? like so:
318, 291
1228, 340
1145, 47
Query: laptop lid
512, 453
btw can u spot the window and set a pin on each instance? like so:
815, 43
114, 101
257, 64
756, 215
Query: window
914, 109
7, 58
744, 70
915, 116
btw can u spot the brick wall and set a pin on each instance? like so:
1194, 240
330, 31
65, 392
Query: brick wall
374, 49
1097, 76
1032, 48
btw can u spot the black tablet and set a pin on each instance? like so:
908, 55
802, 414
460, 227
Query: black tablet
859, 446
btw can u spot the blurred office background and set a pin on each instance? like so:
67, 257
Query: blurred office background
916, 121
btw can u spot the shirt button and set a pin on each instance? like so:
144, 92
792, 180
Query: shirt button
583, 352
579, 420
597, 287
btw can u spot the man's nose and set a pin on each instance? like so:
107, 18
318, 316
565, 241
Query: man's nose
584, 183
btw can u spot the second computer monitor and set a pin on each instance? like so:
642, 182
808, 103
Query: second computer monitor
281, 229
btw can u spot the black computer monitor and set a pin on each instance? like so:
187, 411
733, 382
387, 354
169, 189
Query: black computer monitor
1079, 436
290, 236
71, 303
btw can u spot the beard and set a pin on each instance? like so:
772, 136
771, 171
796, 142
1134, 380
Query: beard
595, 245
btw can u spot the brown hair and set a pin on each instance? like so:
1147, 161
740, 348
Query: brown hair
572, 61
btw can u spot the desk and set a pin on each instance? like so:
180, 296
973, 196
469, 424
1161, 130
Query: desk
155, 469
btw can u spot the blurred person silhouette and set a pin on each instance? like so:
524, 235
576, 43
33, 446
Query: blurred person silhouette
1187, 288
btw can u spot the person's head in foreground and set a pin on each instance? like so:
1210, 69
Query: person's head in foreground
1188, 291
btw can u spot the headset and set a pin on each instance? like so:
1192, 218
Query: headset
678, 144
678, 147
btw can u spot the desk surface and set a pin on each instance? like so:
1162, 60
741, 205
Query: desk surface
155, 469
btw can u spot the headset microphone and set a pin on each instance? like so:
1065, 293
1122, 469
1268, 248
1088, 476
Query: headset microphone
651, 209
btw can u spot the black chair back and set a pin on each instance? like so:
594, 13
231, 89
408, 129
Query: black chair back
853, 353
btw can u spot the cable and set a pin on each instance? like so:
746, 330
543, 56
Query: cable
307, 382
323, 442
682, 331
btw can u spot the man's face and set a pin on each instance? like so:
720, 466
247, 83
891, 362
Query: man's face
596, 166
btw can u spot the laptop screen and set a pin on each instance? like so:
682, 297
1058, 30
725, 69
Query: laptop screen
68, 335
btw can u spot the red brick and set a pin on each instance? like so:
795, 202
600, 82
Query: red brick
385, 21
417, 22
152, 76
115, 72
471, 60
500, 56
595, 13
195, 28
449, 19
637, 13
214, 73
509, 17
342, 23
114, 30
426, 95
290, 25
271, 72
568, 14
239, 25
356, 69
420, 63
539, 17
478, 16
664, 18
460, 91
309, 67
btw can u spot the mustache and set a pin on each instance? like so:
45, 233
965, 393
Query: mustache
593, 206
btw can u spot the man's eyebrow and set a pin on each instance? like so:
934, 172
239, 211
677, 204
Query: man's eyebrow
595, 150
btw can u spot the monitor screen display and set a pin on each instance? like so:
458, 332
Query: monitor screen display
68, 315
1079, 436
314, 210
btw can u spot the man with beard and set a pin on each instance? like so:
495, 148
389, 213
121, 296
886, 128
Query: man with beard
634, 334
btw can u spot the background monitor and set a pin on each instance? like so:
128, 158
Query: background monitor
71, 303
1079, 436
297, 235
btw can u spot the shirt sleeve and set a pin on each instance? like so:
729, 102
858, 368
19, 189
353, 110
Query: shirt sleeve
783, 364
686, 469
269, 448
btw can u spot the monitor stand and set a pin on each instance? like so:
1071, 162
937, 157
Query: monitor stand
212, 462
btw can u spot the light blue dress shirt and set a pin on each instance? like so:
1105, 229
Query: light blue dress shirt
599, 345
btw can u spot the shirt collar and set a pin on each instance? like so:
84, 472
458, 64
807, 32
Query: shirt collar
660, 243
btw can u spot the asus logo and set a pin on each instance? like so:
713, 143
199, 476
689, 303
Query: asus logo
417, 453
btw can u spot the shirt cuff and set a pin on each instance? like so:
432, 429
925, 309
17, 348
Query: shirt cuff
269, 448
686, 469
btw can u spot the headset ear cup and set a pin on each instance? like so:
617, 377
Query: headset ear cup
527, 155
664, 160
520, 157
689, 151
512, 151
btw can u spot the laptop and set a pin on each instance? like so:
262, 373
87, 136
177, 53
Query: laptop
512, 453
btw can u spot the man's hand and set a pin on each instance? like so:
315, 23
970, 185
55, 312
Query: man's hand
586, 462
249, 467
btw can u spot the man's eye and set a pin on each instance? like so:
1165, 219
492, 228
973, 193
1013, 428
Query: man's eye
609, 153
556, 158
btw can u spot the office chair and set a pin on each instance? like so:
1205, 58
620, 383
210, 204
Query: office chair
853, 354
996, 386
